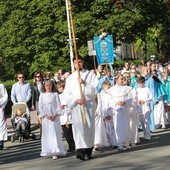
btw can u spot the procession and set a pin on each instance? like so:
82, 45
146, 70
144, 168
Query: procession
110, 112
97, 85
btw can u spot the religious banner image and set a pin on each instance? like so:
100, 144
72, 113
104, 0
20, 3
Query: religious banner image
104, 49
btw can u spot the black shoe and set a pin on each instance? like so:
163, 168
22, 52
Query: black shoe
158, 126
115, 147
80, 156
89, 157
71, 150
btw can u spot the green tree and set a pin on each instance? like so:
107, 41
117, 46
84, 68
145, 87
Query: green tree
33, 32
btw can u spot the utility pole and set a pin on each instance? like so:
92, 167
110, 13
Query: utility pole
70, 37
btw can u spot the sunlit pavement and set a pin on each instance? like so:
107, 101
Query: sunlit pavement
149, 155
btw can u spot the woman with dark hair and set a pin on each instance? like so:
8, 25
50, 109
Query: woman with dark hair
37, 89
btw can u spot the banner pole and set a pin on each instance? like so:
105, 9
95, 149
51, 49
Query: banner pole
76, 55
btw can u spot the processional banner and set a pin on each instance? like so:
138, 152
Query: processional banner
104, 49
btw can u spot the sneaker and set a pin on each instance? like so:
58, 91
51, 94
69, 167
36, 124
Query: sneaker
158, 126
96, 148
55, 157
132, 145
164, 127
128, 147
123, 148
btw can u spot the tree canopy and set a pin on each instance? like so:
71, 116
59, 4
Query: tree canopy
33, 33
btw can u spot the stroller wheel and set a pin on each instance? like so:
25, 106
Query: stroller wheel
33, 136
22, 139
12, 138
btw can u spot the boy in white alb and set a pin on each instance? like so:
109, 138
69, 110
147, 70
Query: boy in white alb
66, 118
100, 138
144, 99
107, 112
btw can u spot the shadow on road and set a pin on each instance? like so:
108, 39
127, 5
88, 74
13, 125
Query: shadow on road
30, 150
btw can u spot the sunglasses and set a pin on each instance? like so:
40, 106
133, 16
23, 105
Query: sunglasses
37, 76
21, 77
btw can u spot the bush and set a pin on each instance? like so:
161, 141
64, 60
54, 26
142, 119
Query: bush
122, 62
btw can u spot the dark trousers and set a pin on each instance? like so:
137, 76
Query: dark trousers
68, 134
1, 144
81, 153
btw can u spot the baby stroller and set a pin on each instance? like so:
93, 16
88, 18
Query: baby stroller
20, 120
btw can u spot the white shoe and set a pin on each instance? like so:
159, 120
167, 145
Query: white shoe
96, 148
123, 148
55, 157
132, 145
128, 147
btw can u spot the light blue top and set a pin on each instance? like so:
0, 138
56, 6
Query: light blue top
21, 92
167, 88
102, 80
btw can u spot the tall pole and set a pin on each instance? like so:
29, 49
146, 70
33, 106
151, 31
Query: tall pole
76, 55
70, 38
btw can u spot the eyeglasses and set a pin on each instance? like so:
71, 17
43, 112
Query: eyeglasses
21, 77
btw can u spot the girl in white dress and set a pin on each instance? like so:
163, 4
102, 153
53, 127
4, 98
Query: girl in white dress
120, 102
49, 106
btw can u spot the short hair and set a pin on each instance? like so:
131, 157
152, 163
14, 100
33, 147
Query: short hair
106, 82
19, 112
79, 58
61, 83
144, 68
20, 73
141, 79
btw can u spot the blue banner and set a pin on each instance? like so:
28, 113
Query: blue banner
104, 49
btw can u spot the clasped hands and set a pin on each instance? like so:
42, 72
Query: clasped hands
63, 106
141, 102
52, 118
120, 103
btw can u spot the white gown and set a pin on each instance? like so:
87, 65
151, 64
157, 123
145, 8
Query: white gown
51, 139
3, 102
134, 119
100, 131
108, 111
121, 113
83, 133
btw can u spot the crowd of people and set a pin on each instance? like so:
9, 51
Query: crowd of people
98, 108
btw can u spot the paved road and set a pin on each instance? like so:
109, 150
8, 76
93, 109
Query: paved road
152, 155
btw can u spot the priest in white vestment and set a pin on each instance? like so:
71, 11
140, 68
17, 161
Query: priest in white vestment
3, 125
83, 132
